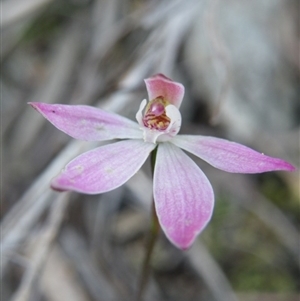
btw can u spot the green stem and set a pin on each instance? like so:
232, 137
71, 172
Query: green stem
145, 272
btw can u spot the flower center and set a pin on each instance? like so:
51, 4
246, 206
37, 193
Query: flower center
155, 114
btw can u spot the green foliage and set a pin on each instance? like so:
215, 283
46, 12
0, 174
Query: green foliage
248, 252
250, 273
276, 190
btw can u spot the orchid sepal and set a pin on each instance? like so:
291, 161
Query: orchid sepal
230, 156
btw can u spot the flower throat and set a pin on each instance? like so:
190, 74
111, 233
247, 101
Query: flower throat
155, 114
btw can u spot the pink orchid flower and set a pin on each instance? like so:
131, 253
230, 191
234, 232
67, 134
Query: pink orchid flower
183, 195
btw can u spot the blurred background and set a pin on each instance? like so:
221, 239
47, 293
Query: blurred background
239, 62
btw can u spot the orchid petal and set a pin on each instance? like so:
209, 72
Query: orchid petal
139, 114
229, 156
173, 113
104, 168
183, 196
88, 123
160, 85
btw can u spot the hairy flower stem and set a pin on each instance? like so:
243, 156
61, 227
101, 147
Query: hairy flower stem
150, 244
